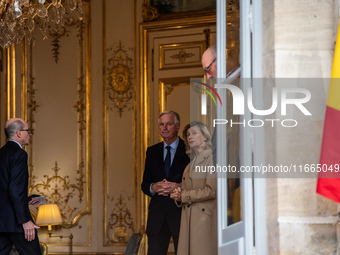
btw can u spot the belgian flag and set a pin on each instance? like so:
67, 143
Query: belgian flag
329, 178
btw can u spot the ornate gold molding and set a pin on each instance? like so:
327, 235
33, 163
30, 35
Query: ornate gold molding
120, 225
63, 30
10, 82
32, 107
57, 188
56, 35
149, 12
182, 55
62, 195
57, 32
24, 77
120, 78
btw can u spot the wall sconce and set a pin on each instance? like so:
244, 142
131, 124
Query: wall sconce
48, 215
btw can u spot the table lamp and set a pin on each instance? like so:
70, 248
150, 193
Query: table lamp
48, 215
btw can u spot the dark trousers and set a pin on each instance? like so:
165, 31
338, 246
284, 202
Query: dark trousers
23, 246
159, 244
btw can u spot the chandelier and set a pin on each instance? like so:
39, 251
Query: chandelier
20, 17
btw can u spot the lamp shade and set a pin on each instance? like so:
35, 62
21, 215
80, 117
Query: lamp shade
49, 214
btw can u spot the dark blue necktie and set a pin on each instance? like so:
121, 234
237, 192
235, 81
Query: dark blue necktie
167, 162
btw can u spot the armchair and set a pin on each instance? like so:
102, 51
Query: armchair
135, 244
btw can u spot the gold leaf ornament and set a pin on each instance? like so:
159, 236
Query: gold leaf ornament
120, 79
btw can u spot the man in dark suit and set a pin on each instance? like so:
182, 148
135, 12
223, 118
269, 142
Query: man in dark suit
16, 224
164, 166
209, 61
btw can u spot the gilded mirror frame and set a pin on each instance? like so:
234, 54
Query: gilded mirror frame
151, 13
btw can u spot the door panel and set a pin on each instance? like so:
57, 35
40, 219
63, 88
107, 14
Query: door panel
176, 58
171, 55
234, 229
239, 237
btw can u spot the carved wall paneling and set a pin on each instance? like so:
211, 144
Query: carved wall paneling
119, 202
120, 78
30, 108
120, 225
120, 186
56, 109
182, 55
58, 112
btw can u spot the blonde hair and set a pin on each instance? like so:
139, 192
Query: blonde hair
204, 130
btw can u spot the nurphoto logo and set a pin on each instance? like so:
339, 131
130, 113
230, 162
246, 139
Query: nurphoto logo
204, 97
282, 97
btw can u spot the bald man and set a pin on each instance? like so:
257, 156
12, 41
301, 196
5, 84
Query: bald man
16, 223
209, 62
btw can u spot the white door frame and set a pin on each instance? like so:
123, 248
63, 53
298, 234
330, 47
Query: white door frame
249, 235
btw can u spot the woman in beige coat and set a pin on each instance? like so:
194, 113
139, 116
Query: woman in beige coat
197, 196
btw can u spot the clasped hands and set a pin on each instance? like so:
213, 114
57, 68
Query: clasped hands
165, 188
177, 193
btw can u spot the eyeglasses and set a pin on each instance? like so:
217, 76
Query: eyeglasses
206, 70
29, 131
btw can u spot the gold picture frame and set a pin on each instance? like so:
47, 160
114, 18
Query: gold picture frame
151, 12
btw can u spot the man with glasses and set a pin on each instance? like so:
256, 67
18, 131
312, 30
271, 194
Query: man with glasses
209, 62
16, 223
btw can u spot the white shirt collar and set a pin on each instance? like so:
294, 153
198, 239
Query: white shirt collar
173, 145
